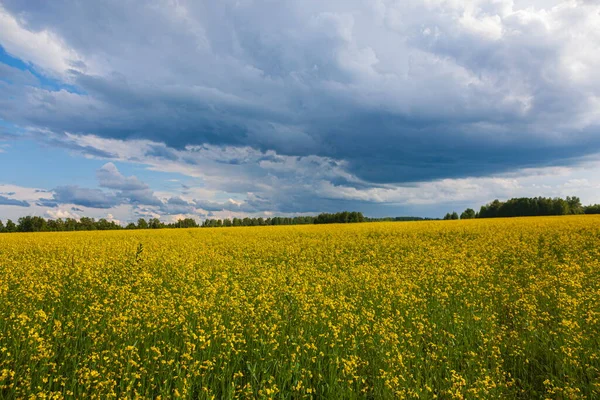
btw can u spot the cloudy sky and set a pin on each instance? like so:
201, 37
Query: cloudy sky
223, 108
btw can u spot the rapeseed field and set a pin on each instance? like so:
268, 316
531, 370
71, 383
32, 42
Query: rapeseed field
506, 308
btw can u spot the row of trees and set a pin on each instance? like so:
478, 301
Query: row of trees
398, 219
155, 223
516, 207
453, 215
39, 224
528, 207
523, 207
592, 209
324, 218
469, 213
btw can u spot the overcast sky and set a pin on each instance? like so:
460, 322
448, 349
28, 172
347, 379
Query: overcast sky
172, 108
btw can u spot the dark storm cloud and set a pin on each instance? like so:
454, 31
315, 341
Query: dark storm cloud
398, 93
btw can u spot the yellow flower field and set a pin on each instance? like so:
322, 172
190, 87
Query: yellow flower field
506, 308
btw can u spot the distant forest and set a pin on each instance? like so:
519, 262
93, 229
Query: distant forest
39, 224
516, 207
528, 207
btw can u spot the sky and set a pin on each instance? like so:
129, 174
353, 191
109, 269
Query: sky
215, 109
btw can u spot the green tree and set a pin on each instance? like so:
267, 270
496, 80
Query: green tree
189, 223
87, 224
575, 206
2, 229
102, 224
155, 223
592, 209
31, 224
142, 224
10, 226
71, 224
469, 213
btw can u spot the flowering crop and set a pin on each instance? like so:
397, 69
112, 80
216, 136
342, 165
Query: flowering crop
506, 308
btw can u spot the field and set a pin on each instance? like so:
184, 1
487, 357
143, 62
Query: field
506, 308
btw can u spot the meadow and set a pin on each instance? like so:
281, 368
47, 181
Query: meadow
498, 308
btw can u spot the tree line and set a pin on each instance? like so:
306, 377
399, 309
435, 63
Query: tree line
399, 219
528, 207
343, 217
39, 224
515, 207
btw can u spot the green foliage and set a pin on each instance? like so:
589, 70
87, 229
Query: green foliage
32, 224
575, 206
516, 207
324, 218
10, 226
592, 209
184, 223
398, 219
537, 206
142, 224
339, 218
453, 215
39, 224
469, 213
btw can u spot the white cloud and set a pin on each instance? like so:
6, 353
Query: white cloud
237, 181
43, 48
111, 218
110, 177
30, 194
62, 213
